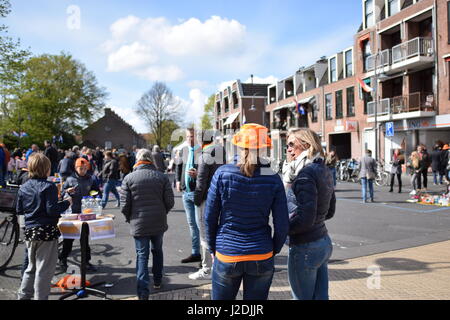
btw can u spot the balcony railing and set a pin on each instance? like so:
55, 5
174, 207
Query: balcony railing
412, 48
418, 101
385, 60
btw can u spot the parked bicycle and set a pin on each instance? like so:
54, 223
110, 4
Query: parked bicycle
382, 178
9, 225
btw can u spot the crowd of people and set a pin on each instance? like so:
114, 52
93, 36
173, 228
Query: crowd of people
228, 207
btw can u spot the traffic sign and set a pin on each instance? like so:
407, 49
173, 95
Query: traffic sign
389, 129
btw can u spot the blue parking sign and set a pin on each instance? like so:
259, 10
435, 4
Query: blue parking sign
389, 129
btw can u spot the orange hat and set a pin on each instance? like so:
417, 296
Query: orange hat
446, 147
252, 136
81, 162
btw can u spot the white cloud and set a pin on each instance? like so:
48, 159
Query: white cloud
131, 117
130, 57
161, 73
192, 109
155, 49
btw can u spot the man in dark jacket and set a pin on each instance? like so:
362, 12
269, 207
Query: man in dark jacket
2, 166
424, 164
52, 154
186, 175
66, 166
158, 159
437, 163
110, 176
147, 198
212, 157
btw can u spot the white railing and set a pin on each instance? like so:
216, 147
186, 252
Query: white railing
383, 107
415, 47
385, 60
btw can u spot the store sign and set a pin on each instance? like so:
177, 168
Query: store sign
351, 126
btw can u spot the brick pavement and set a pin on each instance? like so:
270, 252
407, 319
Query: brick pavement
421, 273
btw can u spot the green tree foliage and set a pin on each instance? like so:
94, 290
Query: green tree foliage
207, 120
57, 95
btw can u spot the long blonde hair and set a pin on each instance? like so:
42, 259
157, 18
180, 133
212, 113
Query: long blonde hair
309, 140
248, 161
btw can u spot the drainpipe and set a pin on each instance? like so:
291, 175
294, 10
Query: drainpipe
436, 56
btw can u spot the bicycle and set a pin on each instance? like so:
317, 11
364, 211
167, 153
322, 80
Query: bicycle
382, 178
9, 225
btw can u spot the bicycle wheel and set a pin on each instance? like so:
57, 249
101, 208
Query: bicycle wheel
9, 239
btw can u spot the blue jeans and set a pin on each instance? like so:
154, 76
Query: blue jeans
308, 269
227, 278
367, 186
142, 257
435, 177
2, 178
193, 222
110, 186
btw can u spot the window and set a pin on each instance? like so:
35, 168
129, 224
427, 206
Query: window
393, 7
349, 63
315, 113
448, 20
370, 17
339, 109
351, 102
329, 106
367, 52
366, 96
333, 70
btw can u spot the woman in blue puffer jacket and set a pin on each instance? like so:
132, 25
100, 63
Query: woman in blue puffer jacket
240, 200
312, 201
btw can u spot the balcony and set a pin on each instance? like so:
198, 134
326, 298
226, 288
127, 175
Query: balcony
414, 105
280, 125
415, 48
411, 54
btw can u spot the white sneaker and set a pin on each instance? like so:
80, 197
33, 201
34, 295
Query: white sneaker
200, 275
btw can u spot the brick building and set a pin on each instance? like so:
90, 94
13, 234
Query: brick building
238, 104
112, 132
402, 51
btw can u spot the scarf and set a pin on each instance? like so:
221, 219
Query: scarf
293, 168
140, 163
190, 164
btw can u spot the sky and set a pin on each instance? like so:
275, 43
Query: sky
195, 47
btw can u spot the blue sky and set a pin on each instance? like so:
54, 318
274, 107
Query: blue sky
194, 46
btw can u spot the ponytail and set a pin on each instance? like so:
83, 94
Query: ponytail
248, 162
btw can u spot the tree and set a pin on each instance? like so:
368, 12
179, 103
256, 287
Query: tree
57, 95
12, 65
160, 111
208, 116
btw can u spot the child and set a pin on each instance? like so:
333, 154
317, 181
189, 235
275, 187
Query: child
37, 199
80, 183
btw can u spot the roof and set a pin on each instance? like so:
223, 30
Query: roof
259, 90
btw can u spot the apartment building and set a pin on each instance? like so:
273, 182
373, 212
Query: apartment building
236, 105
404, 53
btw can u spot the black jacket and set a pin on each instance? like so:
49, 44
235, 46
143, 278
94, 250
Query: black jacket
66, 167
52, 154
211, 159
110, 170
424, 164
316, 202
436, 160
37, 199
84, 186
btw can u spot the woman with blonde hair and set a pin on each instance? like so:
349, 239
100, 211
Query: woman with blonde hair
241, 198
414, 164
311, 201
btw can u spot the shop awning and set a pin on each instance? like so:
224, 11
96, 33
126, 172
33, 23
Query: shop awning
231, 119
289, 105
306, 100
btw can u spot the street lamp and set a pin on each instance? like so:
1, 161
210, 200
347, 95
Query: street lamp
377, 77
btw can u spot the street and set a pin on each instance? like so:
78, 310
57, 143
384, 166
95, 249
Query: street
357, 230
